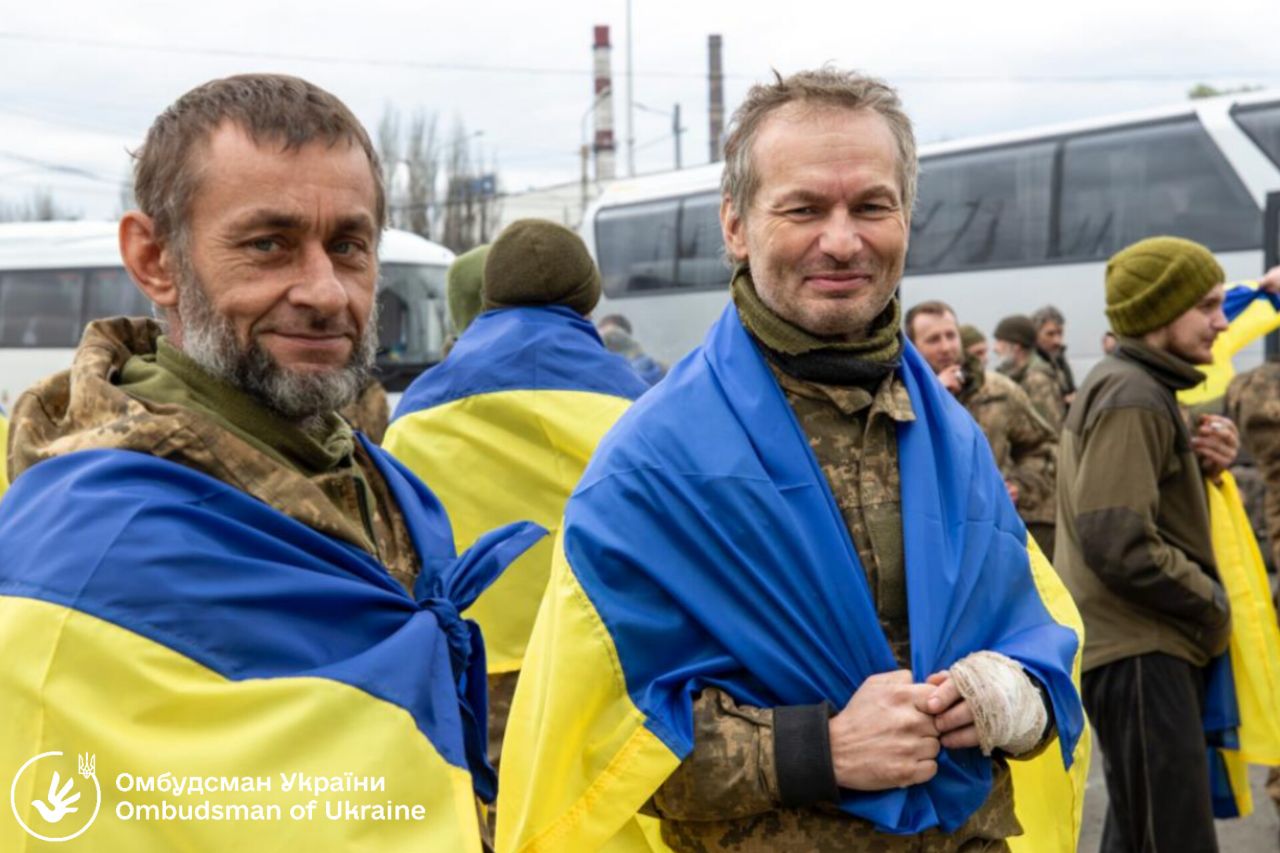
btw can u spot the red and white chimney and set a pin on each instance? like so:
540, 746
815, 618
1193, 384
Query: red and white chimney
604, 145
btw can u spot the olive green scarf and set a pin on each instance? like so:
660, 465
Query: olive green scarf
804, 355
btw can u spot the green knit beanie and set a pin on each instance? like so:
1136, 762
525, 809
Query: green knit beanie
1017, 329
1153, 282
536, 262
465, 280
970, 335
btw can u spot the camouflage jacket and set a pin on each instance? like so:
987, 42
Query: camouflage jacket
1253, 402
726, 795
84, 409
1038, 378
369, 413
1024, 446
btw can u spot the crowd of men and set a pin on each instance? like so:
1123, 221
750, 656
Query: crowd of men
806, 591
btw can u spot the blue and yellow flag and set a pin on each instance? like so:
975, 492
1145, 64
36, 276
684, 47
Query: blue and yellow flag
1242, 703
703, 548
231, 678
1251, 313
501, 431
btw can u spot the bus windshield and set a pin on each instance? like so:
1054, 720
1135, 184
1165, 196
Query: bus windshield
412, 320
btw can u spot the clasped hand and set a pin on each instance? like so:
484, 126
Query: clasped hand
891, 731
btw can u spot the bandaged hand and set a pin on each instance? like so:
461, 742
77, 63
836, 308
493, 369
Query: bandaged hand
987, 700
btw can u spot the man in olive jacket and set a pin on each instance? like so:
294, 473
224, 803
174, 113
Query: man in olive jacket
1134, 545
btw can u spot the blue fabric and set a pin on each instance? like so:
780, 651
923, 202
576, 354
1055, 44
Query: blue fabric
549, 348
706, 536
226, 580
1221, 718
1240, 297
648, 369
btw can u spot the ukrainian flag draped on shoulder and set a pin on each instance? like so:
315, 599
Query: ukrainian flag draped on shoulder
501, 430
1251, 313
168, 623
703, 547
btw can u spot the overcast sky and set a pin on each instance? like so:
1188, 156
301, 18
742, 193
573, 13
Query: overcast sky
81, 81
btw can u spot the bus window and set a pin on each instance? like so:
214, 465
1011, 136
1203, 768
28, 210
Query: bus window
113, 294
1262, 124
982, 209
700, 262
1121, 186
40, 308
636, 247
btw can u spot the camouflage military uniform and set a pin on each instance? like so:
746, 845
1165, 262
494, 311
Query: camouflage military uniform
725, 795
1040, 382
84, 409
1024, 446
370, 412
1253, 402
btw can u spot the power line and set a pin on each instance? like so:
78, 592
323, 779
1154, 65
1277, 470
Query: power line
1065, 79
61, 168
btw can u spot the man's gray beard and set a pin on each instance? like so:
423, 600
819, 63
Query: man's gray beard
209, 339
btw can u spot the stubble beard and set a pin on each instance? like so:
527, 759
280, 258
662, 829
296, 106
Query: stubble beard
209, 339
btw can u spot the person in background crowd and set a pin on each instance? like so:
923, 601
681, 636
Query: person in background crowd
465, 287
1253, 404
1109, 342
615, 331
1024, 447
1050, 328
502, 429
198, 542
1016, 345
727, 638
1134, 544
974, 343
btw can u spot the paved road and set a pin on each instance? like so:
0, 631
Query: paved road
1257, 833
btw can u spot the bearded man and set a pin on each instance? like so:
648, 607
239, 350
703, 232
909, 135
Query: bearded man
214, 575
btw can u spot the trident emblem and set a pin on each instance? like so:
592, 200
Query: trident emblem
87, 763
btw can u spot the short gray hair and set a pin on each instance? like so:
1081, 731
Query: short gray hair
1047, 314
828, 87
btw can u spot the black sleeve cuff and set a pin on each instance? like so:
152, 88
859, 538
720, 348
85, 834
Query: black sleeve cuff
802, 755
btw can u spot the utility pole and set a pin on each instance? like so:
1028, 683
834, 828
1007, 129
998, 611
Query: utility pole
715, 91
676, 131
631, 136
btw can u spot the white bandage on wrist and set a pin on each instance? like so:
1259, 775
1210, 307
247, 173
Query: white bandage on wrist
1008, 709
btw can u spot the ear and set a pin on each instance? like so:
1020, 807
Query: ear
734, 229
150, 262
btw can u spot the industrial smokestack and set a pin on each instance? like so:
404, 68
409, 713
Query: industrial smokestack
604, 148
715, 85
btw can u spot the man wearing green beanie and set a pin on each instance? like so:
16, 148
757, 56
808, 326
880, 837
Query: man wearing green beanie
465, 281
974, 343
1134, 543
502, 429
1016, 344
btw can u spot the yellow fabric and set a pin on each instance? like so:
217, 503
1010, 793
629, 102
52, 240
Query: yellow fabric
1255, 637
496, 458
1254, 322
4, 455
78, 684
1047, 798
577, 761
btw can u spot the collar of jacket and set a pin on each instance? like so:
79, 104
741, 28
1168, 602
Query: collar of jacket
806, 356
1167, 368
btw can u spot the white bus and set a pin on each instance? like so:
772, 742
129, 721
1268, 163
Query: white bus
1002, 224
57, 276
